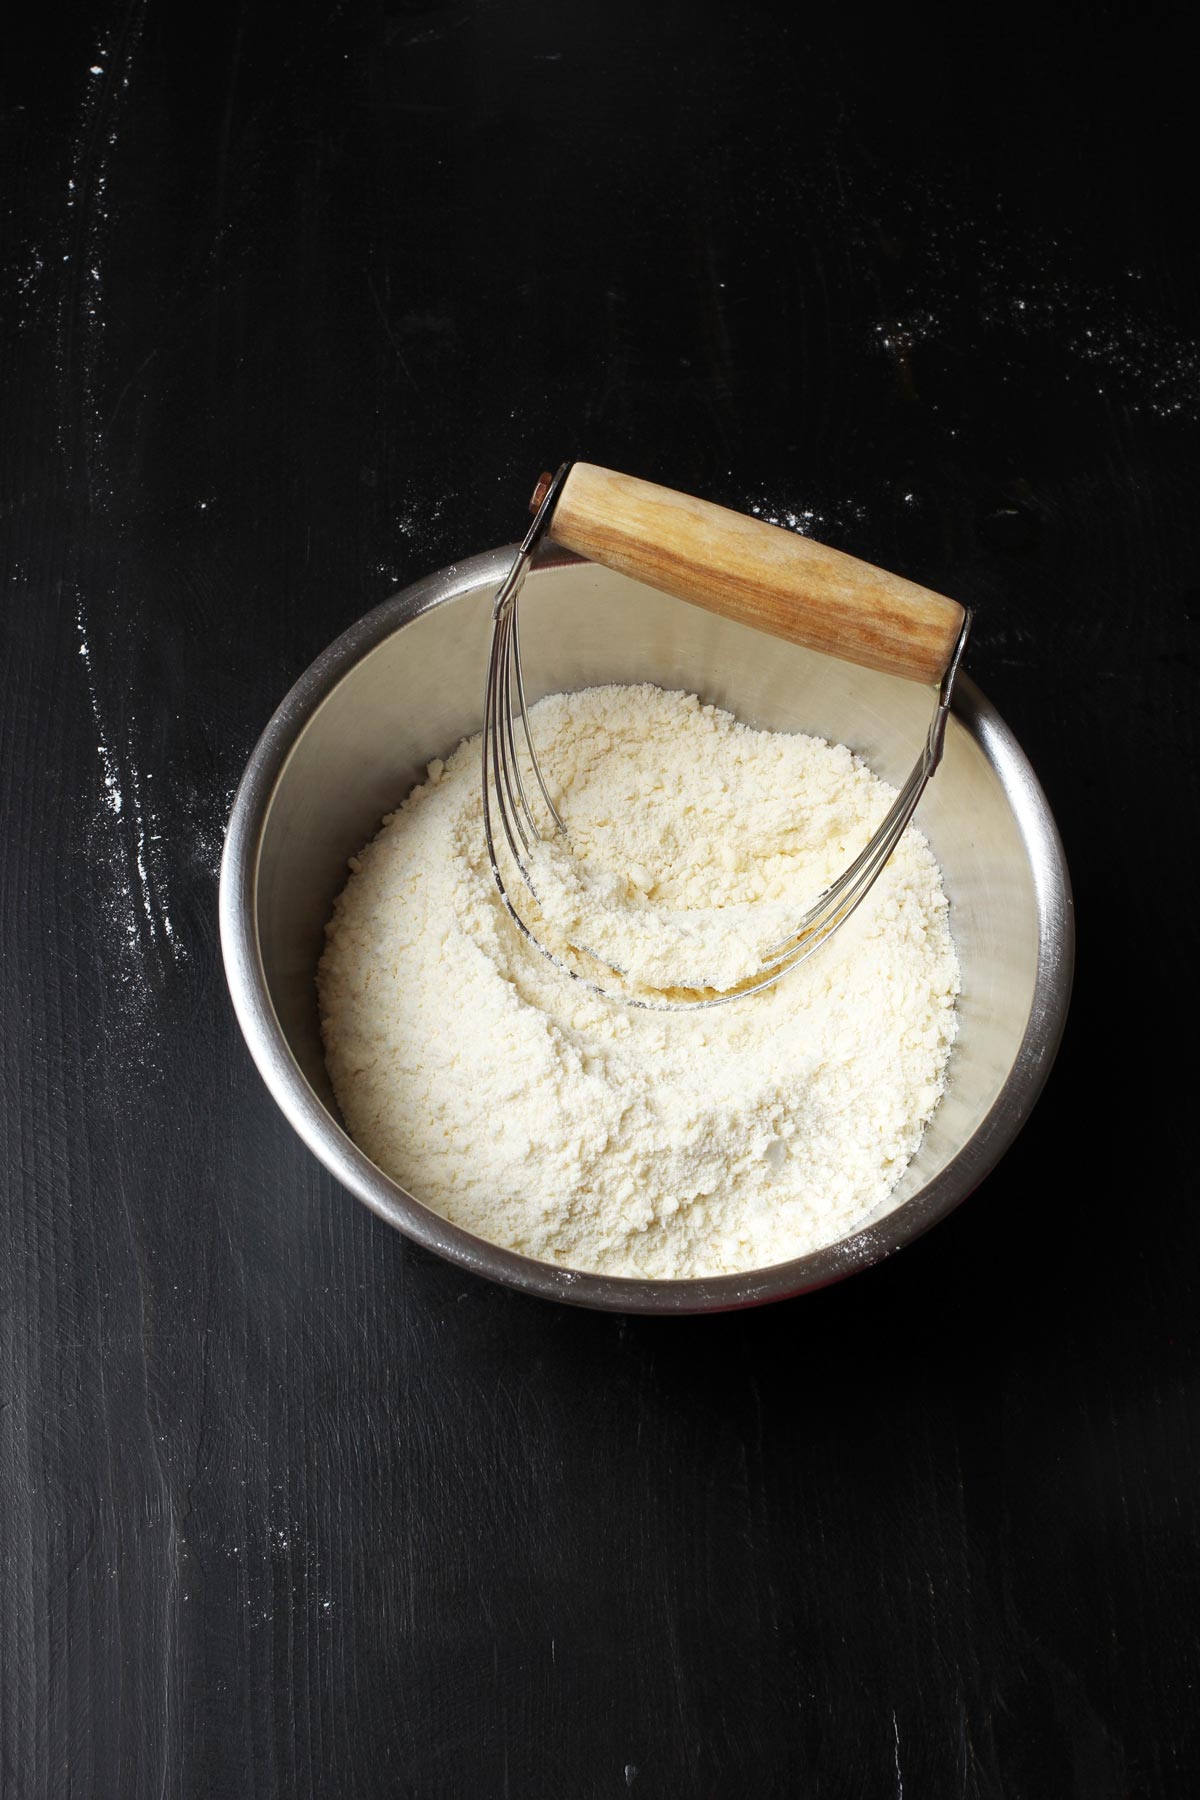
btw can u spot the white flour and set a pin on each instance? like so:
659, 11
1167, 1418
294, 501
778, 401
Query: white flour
588, 1133
619, 919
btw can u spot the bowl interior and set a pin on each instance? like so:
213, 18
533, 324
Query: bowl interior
416, 692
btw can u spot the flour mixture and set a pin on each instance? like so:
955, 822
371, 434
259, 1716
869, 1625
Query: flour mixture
603, 1137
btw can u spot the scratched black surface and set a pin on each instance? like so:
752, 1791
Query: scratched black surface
297, 300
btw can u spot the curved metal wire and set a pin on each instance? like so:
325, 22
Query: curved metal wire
503, 784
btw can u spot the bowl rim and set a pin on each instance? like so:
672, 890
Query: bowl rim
326, 1138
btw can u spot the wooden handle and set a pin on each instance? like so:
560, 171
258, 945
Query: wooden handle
756, 573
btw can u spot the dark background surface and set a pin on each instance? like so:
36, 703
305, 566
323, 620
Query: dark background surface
297, 300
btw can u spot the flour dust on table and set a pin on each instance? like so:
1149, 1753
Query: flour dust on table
564, 1124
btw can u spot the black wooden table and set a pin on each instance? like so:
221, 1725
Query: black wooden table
298, 299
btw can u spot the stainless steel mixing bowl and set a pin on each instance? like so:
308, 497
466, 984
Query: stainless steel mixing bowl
405, 684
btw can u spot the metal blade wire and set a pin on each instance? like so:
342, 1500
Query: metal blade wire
502, 780
493, 763
514, 787
844, 899
533, 756
863, 870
